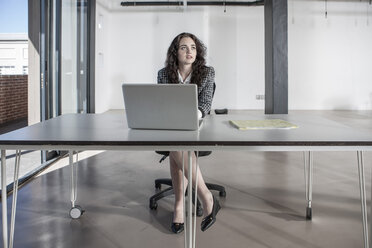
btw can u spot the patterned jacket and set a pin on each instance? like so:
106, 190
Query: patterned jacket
205, 91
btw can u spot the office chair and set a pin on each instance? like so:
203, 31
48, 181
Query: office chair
168, 181
169, 191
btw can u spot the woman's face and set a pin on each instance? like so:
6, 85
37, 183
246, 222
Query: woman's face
186, 51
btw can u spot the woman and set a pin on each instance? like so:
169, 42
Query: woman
185, 64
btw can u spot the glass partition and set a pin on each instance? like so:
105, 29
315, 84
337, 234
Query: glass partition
65, 52
69, 65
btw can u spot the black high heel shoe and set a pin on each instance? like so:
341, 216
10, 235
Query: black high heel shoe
177, 227
208, 221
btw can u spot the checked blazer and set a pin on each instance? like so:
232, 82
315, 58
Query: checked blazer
205, 90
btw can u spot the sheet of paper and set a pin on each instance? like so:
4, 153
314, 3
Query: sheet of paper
262, 124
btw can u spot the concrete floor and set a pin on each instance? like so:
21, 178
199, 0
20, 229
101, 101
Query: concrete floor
265, 203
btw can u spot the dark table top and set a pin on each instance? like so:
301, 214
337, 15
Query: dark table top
101, 130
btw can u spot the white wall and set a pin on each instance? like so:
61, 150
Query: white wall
103, 88
328, 58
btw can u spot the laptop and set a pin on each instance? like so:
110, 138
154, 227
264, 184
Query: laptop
161, 106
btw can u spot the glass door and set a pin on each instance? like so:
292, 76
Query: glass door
67, 54
74, 57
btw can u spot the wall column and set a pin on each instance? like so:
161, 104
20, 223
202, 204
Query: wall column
33, 61
276, 57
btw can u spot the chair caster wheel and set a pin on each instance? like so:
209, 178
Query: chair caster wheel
223, 193
309, 213
76, 212
157, 186
153, 206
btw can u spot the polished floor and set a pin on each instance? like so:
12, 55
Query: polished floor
264, 207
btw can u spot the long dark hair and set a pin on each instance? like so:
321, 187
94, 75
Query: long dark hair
198, 67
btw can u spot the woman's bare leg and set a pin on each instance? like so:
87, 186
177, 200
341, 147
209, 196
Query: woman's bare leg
204, 194
176, 175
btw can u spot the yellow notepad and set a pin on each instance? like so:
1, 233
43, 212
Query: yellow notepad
262, 124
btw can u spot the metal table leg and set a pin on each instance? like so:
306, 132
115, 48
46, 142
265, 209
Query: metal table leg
76, 211
189, 224
190, 221
308, 169
15, 195
3, 199
195, 200
363, 199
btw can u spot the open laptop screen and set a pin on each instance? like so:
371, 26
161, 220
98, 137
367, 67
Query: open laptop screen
161, 106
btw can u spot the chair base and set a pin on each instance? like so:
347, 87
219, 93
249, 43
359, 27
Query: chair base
169, 191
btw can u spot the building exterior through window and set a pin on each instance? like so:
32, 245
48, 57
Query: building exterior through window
13, 54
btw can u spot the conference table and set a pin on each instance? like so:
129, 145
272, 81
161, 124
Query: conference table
109, 131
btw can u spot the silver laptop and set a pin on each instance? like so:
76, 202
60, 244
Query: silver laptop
161, 106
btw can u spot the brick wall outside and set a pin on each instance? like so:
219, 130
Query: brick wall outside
13, 98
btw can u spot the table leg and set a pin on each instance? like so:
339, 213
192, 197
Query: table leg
3, 199
76, 211
190, 222
72, 178
370, 225
15, 194
184, 200
363, 199
195, 199
308, 169
189, 226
